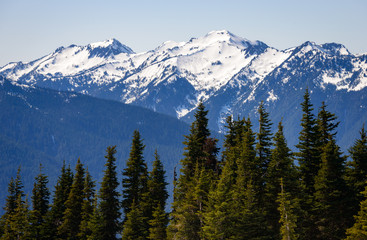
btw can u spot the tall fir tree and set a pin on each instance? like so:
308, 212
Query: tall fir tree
17, 225
70, 227
87, 207
40, 203
280, 166
326, 125
157, 184
134, 226
263, 151
109, 205
135, 175
308, 155
158, 224
263, 137
357, 170
199, 165
155, 199
15, 208
309, 161
330, 194
54, 218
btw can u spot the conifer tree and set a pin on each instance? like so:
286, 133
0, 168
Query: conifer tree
15, 190
54, 218
87, 207
330, 199
40, 203
280, 166
308, 155
157, 184
359, 229
155, 198
16, 210
134, 226
263, 137
70, 227
17, 225
108, 210
199, 166
357, 170
158, 224
135, 175
288, 219
326, 124
263, 151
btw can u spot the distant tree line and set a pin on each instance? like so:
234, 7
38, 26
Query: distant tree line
257, 189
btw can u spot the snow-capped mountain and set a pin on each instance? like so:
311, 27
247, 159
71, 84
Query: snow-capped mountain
229, 73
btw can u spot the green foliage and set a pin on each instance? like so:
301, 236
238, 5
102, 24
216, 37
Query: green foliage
308, 155
17, 224
288, 219
87, 207
135, 175
357, 170
158, 224
109, 206
54, 218
40, 203
73, 213
280, 167
134, 226
359, 230
330, 195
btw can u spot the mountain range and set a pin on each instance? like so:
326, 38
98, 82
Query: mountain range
230, 74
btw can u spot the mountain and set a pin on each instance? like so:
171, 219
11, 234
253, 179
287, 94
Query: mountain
45, 126
230, 74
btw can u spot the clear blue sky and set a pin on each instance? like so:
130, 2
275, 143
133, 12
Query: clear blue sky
33, 28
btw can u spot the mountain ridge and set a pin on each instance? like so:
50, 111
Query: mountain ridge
230, 74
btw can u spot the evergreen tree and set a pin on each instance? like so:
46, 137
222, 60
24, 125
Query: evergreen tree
16, 210
157, 184
263, 151
108, 211
194, 142
135, 175
70, 227
197, 166
40, 203
263, 138
54, 218
280, 166
357, 170
288, 219
326, 125
158, 224
330, 195
359, 229
17, 224
15, 190
308, 155
87, 207
134, 226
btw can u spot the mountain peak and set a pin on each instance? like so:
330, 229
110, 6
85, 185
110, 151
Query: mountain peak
111, 44
227, 36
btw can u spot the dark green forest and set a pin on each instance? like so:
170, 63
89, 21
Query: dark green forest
254, 188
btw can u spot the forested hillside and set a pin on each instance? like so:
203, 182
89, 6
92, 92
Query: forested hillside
45, 126
257, 188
